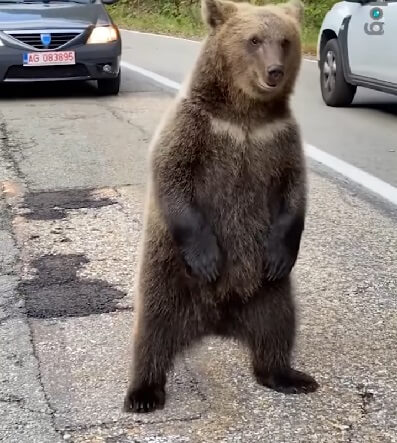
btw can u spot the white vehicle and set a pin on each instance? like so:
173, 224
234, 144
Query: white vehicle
357, 46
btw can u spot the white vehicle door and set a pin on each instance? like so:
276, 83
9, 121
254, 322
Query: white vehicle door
372, 40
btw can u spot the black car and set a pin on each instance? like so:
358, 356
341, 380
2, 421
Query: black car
48, 40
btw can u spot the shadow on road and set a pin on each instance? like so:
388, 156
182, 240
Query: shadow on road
385, 108
45, 90
57, 291
376, 101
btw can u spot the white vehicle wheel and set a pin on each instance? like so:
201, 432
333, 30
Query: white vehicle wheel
334, 88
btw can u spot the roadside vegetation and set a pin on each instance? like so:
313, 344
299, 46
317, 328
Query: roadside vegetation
183, 17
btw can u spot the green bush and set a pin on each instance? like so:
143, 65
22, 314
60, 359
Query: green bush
183, 17
315, 9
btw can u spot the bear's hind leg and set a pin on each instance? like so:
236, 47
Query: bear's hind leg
159, 335
267, 325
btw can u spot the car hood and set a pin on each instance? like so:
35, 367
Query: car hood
51, 16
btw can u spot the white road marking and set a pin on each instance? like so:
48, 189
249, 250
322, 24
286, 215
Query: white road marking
152, 75
171, 37
356, 175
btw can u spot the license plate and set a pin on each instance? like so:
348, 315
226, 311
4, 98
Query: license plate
49, 58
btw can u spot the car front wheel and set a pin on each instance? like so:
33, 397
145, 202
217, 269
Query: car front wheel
109, 86
334, 88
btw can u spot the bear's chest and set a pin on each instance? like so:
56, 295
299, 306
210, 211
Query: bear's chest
242, 164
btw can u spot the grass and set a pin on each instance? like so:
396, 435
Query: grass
309, 40
186, 24
158, 23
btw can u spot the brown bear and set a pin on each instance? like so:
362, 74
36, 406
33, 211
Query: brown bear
226, 205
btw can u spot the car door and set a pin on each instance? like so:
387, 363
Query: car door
372, 40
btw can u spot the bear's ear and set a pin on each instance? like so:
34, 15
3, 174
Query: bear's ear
216, 12
295, 9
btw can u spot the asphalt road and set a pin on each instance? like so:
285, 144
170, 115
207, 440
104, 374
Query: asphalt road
72, 179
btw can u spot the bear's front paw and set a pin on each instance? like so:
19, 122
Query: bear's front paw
279, 261
144, 399
203, 257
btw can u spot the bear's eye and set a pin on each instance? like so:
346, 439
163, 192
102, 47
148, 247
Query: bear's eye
255, 41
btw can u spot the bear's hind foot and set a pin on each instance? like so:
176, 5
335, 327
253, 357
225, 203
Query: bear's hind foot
144, 399
288, 381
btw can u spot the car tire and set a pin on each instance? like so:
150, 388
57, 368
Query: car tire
109, 86
334, 88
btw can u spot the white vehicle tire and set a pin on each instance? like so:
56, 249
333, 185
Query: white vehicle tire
334, 88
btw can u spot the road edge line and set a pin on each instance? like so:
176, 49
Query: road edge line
354, 174
152, 75
153, 34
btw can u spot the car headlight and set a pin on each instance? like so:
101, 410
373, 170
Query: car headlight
103, 34
1, 43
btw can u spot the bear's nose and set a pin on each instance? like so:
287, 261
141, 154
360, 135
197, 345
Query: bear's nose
275, 74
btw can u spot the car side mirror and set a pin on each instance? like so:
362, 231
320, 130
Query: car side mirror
109, 2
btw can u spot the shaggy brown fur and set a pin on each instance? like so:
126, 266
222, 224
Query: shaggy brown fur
226, 205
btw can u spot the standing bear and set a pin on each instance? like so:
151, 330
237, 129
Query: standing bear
226, 205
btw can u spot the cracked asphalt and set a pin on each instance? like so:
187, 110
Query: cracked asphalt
72, 174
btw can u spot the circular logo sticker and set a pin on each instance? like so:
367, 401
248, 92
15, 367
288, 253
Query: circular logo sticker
376, 13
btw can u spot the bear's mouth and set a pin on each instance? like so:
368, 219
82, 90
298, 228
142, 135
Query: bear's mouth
265, 86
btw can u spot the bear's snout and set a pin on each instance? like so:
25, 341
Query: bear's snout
275, 74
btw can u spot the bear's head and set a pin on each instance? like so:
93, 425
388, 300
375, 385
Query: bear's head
258, 48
